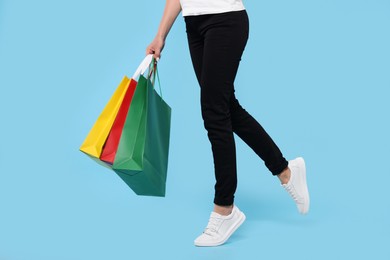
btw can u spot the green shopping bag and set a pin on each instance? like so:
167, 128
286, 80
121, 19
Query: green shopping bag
142, 156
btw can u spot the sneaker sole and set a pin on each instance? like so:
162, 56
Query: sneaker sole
306, 191
228, 234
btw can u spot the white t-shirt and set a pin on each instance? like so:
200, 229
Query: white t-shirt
199, 7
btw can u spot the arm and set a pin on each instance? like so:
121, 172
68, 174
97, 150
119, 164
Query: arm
171, 11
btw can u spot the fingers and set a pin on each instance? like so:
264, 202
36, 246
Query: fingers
156, 53
155, 48
149, 50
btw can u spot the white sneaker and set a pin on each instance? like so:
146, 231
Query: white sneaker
297, 186
220, 228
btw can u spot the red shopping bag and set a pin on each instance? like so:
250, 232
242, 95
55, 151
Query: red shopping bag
112, 142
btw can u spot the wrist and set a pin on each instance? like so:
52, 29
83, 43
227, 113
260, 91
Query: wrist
160, 37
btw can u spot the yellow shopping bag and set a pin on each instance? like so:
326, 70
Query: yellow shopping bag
93, 143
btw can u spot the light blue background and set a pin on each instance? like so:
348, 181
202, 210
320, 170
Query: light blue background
316, 74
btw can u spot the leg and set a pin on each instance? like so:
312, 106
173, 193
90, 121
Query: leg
254, 135
196, 43
292, 175
223, 47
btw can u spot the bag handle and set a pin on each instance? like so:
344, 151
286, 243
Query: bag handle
153, 74
150, 63
143, 66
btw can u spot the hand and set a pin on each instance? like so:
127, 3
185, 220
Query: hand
156, 47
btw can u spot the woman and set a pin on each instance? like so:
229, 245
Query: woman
217, 33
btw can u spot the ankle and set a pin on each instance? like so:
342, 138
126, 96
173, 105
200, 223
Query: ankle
223, 210
284, 176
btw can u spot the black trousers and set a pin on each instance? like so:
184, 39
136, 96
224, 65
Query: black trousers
216, 43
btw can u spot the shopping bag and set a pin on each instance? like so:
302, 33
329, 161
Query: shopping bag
111, 145
142, 156
95, 140
93, 143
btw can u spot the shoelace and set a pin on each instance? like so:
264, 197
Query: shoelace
212, 226
292, 193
